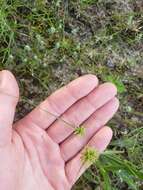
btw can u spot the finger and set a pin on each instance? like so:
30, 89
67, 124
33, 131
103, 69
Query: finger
98, 119
81, 111
75, 167
9, 94
61, 100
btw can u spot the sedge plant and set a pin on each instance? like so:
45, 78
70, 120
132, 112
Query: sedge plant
78, 130
90, 155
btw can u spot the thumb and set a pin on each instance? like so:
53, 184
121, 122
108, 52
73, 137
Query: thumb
9, 95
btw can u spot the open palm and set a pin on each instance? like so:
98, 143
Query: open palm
40, 152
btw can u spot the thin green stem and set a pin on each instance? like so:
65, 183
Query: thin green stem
26, 100
52, 114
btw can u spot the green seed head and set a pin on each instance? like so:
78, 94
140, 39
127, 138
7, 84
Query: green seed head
90, 155
79, 131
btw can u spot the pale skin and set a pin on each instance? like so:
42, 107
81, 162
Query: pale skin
41, 153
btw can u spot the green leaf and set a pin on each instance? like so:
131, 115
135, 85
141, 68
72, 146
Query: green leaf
106, 178
114, 163
124, 176
117, 81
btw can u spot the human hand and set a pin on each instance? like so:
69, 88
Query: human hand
40, 152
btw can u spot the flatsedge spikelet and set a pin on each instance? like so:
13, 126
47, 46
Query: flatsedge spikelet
79, 131
90, 155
